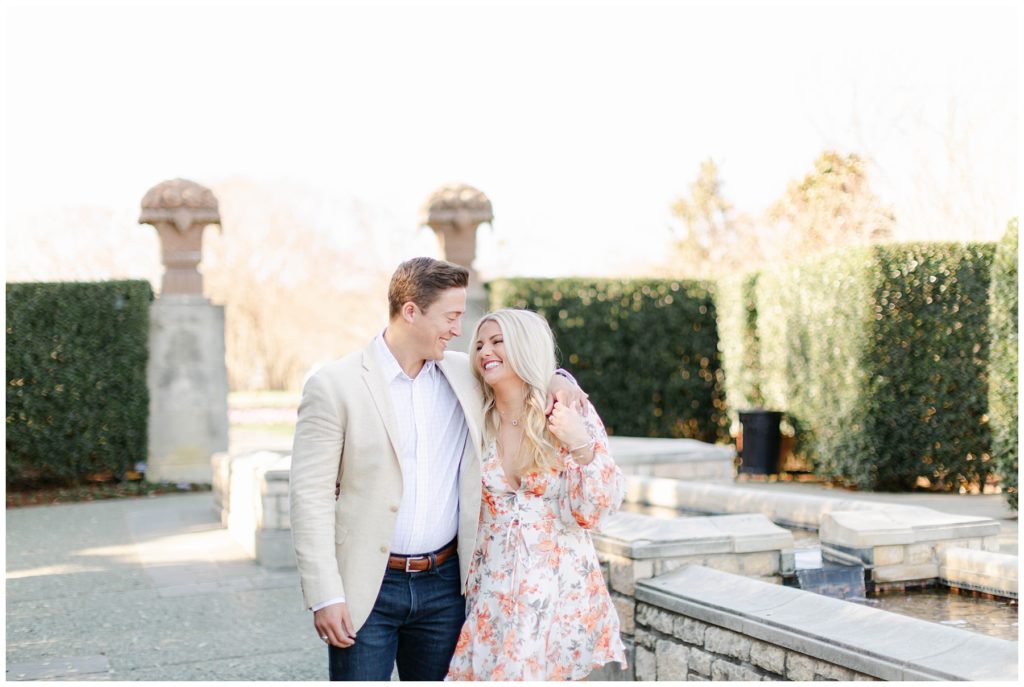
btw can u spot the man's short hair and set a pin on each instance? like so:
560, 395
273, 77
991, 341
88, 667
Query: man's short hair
422, 280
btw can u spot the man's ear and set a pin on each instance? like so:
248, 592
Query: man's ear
409, 310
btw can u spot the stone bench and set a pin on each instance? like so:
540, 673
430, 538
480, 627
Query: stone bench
696, 623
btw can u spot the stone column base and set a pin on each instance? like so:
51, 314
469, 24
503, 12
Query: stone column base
188, 389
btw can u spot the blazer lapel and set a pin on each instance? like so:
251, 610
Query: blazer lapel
374, 379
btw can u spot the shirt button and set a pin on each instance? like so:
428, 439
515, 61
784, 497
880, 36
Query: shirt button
394, 509
383, 549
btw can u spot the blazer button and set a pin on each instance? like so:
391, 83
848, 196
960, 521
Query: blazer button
394, 509
383, 549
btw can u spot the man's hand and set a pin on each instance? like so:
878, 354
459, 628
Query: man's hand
568, 394
334, 623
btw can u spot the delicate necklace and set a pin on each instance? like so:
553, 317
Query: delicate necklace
514, 421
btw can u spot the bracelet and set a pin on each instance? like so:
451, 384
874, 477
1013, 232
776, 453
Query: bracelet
589, 444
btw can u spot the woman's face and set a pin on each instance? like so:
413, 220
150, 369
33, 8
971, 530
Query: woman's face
490, 355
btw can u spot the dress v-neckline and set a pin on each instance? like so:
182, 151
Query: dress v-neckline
501, 467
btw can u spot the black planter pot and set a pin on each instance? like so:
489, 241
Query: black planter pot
761, 441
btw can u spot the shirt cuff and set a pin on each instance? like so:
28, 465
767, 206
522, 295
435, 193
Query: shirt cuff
329, 602
568, 376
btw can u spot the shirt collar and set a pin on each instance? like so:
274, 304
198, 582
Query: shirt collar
389, 364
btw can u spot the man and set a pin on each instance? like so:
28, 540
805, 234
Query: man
385, 485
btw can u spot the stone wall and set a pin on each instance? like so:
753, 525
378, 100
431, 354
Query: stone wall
701, 624
670, 646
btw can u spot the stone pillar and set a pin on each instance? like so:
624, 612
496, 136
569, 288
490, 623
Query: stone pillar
187, 375
454, 212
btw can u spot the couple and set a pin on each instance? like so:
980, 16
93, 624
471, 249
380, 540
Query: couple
419, 475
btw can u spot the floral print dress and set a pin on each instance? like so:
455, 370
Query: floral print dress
538, 608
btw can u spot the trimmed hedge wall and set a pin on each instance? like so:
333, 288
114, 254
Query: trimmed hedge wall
77, 400
879, 356
1002, 391
645, 350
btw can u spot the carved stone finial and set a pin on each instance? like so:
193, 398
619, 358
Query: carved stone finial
180, 209
460, 203
454, 212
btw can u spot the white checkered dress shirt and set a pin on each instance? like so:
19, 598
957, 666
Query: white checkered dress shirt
432, 431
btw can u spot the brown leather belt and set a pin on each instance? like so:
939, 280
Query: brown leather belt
424, 562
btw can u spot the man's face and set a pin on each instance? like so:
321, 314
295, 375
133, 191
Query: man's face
440, 323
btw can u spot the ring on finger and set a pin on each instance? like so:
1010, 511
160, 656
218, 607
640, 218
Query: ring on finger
323, 637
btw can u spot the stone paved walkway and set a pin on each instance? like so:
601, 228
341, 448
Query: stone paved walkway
148, 589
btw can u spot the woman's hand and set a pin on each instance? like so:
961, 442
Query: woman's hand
567, 425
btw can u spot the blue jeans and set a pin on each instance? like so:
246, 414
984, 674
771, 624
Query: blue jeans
415, 622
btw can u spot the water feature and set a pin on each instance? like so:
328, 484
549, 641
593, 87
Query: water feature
992, 617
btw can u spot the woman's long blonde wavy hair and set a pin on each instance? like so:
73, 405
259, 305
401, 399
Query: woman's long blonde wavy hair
530, 352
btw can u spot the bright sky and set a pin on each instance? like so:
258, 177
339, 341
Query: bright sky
581, 121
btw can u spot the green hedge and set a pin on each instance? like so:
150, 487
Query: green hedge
77, 400
739, 341
645, 350
1002, 390
879, 356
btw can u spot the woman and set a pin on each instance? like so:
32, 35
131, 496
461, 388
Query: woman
537, 604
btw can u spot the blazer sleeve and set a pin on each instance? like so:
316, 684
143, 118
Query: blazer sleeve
316, 457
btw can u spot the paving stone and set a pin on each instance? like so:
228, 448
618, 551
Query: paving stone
654, 618
671, 660
888, 555
50, 669
830, 671
700, 662
689, 630
727, 643
760, 564
769, 657
729, 564
799, 667
646, 664
645, 638
723, 670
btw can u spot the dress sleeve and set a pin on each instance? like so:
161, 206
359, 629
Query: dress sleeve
591, 492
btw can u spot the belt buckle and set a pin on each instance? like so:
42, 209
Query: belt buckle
412, 558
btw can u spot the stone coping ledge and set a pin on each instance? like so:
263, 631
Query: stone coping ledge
644, 450
863, 639
640, 536
980, 571
901, 525
793, 510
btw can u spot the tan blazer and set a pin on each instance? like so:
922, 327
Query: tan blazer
346, 431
